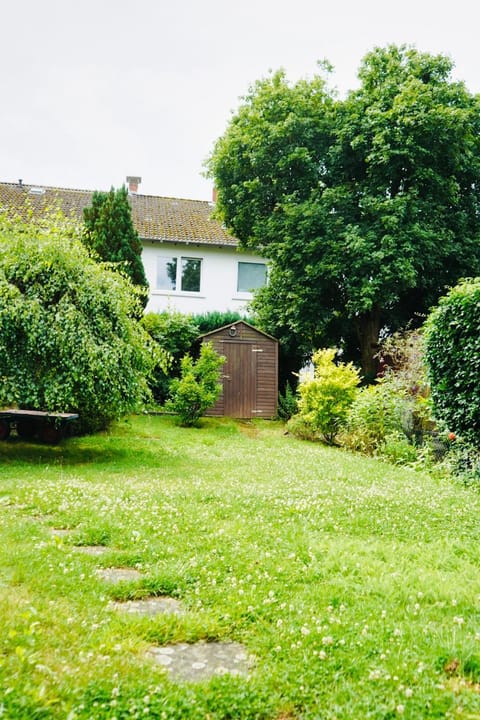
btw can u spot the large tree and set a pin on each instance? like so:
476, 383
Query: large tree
68, 338
110, 232
367, 207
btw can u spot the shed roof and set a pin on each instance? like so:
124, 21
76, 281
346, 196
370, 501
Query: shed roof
158, 219
239, 322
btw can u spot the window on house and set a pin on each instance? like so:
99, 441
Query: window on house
251, 276
179, 273
167, 273
191, 274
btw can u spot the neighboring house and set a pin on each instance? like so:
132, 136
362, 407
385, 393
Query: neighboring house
191, 262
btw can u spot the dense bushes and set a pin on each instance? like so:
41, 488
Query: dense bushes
391, 418
206, 322
176, 333
69, 340
198, 387
453, 355
179, 334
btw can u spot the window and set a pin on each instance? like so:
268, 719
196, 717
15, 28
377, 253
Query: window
183, 273
251, 276
191, 274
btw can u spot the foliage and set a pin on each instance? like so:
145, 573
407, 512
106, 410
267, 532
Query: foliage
325, 400
398, 450
378, 411
198, 387
366, 207
453, 356
209, 321
350, 581
109, 231
176, 333
68, 339
396, 410
462, 461
403, 364
287, 403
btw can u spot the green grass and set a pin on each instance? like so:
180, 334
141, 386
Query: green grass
355, 584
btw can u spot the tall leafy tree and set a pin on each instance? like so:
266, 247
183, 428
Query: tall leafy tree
110, 232
367, 207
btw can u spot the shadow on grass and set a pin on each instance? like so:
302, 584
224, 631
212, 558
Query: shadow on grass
16, 451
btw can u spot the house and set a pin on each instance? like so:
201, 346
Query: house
192, 263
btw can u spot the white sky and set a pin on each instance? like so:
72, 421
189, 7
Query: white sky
94, 90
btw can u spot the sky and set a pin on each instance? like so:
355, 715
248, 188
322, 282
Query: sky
94, 90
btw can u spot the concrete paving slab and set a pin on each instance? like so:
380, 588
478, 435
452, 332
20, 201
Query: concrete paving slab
200, 661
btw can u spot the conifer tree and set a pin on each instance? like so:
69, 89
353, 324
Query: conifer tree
110, 232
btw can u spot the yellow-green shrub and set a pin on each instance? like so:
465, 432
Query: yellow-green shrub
325, 400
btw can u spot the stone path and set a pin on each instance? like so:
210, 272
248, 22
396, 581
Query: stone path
202, 660
91, 549
184, 662
149, 606
118, 575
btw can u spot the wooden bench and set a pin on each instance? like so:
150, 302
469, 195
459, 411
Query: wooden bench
48, 427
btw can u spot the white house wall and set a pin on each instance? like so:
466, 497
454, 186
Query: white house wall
218, 285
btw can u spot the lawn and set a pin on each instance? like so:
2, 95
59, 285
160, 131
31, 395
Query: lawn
353, 584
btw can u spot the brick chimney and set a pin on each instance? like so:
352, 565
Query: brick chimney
214, 195
133, 183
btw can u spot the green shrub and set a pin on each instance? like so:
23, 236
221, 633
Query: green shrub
453, 356
176, 333
69, 340
206, 322
376, 412
198, 387
298, 426
398, 450
462, 461
325, 400
287, 403
404, 364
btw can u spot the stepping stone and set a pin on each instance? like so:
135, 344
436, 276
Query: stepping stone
61, 532
118, 575
91, 549
200, 661
149, 606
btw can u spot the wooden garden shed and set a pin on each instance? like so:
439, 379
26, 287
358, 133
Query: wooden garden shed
250, 371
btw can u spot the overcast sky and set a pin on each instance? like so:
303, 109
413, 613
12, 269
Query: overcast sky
94, 90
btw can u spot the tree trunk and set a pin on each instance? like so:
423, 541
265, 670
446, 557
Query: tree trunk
367, 327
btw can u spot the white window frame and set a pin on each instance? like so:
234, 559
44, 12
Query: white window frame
250, 262
179, 260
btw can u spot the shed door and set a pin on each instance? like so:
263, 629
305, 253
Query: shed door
239, 380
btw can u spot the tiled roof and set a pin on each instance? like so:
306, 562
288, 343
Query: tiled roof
155, 218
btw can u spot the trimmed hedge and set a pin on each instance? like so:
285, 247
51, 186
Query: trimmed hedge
453, 356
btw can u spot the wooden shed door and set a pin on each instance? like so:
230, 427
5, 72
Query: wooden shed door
239, 380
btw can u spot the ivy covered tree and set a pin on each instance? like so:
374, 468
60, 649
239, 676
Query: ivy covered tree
110, 232
69, 340
367, 207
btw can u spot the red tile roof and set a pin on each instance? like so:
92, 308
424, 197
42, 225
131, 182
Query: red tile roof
155, 218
